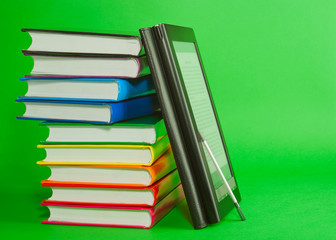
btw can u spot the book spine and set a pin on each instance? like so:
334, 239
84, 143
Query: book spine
160, 129
162, 168
143, 66
165, 185
133, 108
187, 176
160, 147
141, 50
134, 87
163, 207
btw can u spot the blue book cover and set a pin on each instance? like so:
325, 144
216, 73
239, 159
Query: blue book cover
127, 88
119, 111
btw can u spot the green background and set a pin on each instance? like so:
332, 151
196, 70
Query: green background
271, 69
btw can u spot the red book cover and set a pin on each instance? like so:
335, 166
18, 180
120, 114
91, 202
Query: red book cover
156, 213
159, 190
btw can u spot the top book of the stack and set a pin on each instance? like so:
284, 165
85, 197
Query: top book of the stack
83, 43
67, 54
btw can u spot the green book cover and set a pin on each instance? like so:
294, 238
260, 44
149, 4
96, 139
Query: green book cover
149, 122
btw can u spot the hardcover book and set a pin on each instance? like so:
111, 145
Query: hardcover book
145, 130
113, 216
88, 89
118, 175
102, 154
91, 112
72, 66
108, 150
75, 42
111, 194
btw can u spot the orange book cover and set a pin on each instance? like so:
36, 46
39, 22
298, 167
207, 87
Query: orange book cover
164, 165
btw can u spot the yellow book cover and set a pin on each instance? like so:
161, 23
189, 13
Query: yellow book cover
103, 154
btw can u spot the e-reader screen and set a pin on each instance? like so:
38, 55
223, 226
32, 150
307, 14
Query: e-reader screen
199, 99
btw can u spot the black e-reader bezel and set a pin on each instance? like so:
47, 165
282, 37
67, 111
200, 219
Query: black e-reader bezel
165, 35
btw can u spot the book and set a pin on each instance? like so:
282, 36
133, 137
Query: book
88, 111
110, 194
88, 89
113, 216
144, 130
102, 154
119, 175
72, 66
191, 121
74, 42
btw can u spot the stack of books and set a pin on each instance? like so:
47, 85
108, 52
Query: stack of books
108, 149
